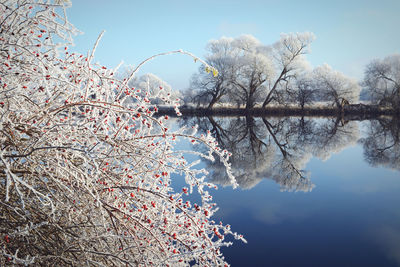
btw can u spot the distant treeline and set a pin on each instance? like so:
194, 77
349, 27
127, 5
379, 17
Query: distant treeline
253, 76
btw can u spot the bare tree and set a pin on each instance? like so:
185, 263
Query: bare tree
299, 92
304, 93
213, 87
250, 70
382, 81
334, 87
85, 175
288, 53
244, 65
254, 68
153, 89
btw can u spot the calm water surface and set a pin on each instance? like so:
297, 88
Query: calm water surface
313, 192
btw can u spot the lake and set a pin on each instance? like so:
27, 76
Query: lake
313, 191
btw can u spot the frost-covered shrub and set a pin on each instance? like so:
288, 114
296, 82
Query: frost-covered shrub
84, 174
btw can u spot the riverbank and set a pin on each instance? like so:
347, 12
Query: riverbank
360, 111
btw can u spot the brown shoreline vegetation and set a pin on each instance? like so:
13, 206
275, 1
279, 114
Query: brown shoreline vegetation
358, 111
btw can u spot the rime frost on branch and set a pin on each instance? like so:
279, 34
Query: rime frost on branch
84, 173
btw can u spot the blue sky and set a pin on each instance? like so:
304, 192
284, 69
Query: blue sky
349, 33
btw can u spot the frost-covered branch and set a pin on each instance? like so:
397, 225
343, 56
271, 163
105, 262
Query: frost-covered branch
86, 167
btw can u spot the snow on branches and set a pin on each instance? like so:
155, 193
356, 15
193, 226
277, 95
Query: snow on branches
85, 175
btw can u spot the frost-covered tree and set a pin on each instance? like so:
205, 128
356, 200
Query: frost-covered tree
382, 80
85, 176
301, 91
212, 88
251, 71
243, 66
153, 89
304, 93
253, 68
289, 59
334, 86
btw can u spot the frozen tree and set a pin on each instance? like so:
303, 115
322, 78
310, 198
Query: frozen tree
382, 80
152, 88
243, 64
188, 97
254, 68
289, 59
265, 70
211, 88
300, 91
335, 87
253, 72
85, 176
304, 93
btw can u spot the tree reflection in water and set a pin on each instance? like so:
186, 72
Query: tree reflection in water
275, 148
382, 144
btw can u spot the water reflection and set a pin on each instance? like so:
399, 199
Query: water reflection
382, 144
280, 148
351, 219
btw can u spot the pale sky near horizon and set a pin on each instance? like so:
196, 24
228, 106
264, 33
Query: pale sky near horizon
349, 33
